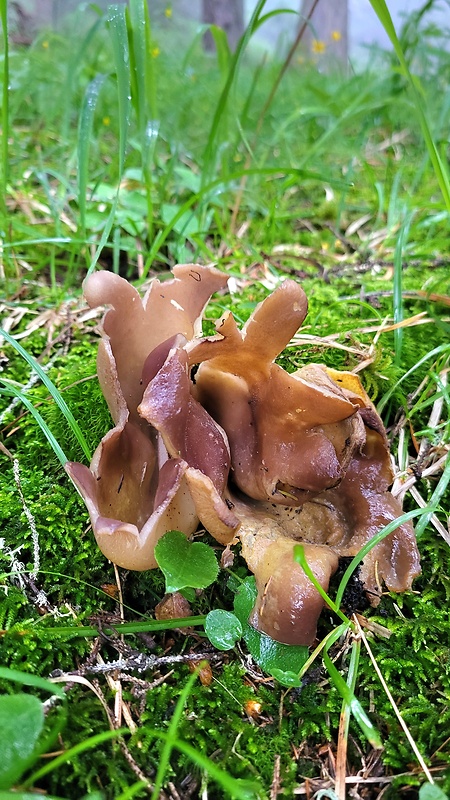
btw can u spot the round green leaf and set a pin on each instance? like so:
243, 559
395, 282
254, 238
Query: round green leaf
223, 629
287, 678
21, 724
429, 791
185, 563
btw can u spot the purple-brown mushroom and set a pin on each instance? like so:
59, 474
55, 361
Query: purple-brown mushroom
291, 436
135, 489
250, 451
309, 463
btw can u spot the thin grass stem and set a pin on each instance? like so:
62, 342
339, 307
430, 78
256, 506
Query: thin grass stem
393, 703
68, 755
5, 104
120, 628
55, 393
440, 169
171, 735
10, 389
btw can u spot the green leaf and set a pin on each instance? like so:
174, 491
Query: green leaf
185, 563
286, 678
223, 629
429, 791
285, 659
21, 724
369, 731
31, 680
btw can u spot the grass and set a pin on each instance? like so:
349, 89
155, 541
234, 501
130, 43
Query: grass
127, 148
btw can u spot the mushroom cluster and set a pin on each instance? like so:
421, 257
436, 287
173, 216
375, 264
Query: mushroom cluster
250, 451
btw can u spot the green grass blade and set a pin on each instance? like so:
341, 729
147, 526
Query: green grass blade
400, 245
442, 348
117, 27
59, 400
300, 558
222, 49
435, 498
5, 103
73, 66
142, 72
352, 674
143, 93
26, 679
88, 744
369, 731
211, 145
418, 512
121, 628
131, 791
84, 142
12, 390
236, 788
171, 735
440, 169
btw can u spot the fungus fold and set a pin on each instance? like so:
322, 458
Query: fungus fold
253, 452
153, 472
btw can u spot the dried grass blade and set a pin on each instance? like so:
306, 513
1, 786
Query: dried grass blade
392, 702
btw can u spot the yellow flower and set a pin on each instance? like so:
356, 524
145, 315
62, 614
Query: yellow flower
106, 120
318, 46
336, 36
155, 51
168, 12
45, 44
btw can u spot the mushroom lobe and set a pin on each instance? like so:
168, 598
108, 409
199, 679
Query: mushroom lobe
251, 451
290, 435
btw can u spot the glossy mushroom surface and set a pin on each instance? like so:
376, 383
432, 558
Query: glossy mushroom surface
137, 488
250, 450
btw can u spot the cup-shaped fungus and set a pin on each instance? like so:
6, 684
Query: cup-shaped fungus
146, 479
291, 436
288, 458
309, 463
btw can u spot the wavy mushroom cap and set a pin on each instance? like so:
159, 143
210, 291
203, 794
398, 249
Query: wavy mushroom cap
337, 522
190, 433
133, 327
135, 490
307, 451
290, 435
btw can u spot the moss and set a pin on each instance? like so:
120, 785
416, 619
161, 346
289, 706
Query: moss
73, 572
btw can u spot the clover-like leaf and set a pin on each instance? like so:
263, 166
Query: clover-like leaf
21, 724
429, 791
282, 661
185, 563
223, 629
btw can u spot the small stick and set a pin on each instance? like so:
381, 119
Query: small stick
403, 724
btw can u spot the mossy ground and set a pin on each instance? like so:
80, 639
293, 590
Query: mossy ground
339, 165
295, 727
